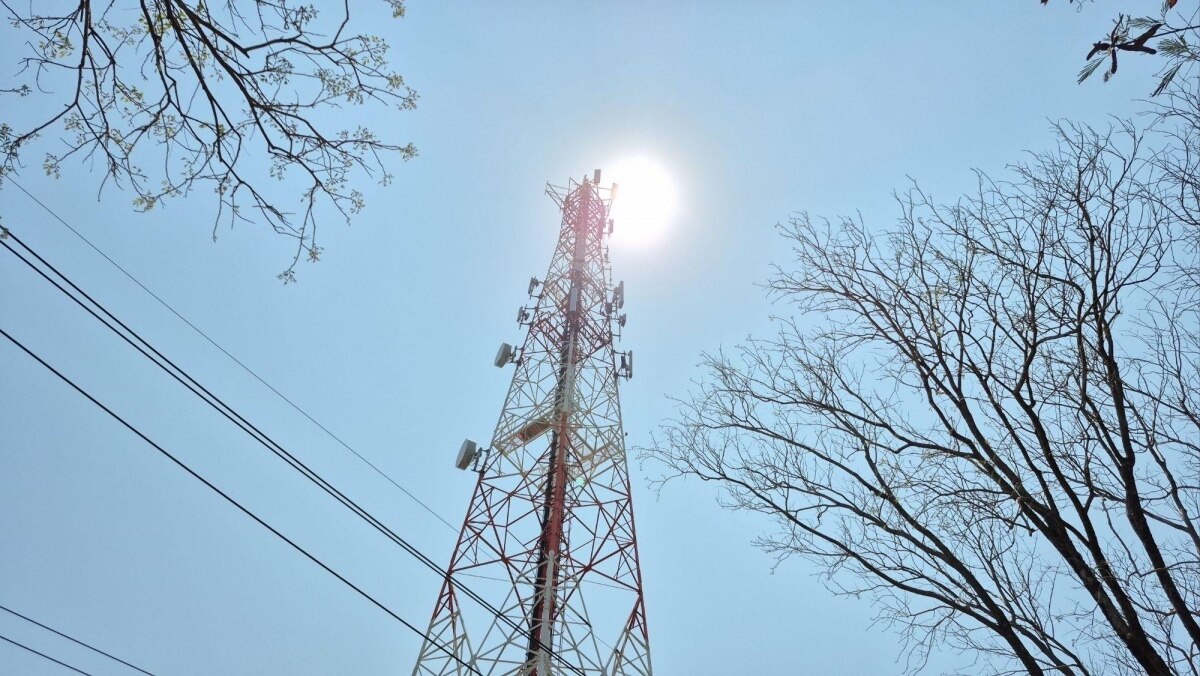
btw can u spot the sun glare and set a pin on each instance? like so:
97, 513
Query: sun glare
646, 201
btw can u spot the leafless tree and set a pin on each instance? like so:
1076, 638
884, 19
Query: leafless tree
225, 94
987, 418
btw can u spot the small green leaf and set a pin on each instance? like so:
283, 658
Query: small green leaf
1090, 68
1166, 79
1173, 47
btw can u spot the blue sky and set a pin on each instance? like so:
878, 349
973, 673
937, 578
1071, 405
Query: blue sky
758, 110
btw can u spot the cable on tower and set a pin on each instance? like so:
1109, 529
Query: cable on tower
75, 640
228, 499
185, 379
228, 354
60, 663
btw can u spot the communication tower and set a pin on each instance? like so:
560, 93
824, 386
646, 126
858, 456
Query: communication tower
548, 541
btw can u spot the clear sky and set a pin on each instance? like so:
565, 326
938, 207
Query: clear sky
757, 110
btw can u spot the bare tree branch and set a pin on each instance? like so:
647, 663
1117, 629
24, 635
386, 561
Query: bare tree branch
986, 418
226, 94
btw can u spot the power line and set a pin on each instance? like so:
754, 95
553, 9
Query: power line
44, 655
75, 640
235, 360
181, 376
231, 501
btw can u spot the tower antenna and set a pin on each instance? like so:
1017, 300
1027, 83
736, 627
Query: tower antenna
549, 537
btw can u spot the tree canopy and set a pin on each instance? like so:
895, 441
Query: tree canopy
171, 96
987, 419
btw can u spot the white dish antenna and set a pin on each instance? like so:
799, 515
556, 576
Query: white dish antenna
503, 355
466, 454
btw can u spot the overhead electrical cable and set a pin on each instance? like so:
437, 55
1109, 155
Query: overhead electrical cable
231, 501
75, 640
60, 663
230, 355
249, 428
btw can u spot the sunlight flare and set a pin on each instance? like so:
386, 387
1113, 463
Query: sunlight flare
647, 201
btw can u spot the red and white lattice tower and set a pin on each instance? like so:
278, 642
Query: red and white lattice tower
548, 541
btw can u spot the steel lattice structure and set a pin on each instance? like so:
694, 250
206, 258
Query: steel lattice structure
549, 537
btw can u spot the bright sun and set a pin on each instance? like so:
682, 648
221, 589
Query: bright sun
646, 201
